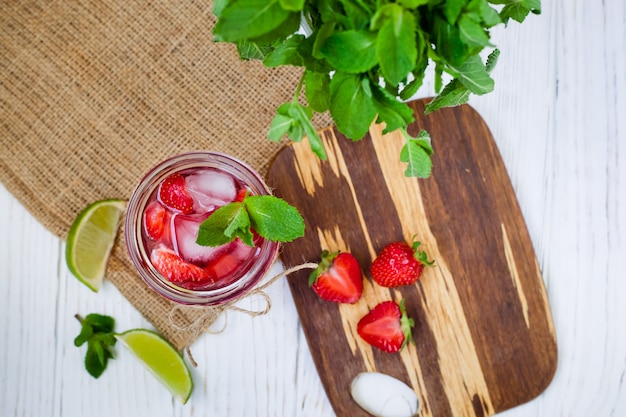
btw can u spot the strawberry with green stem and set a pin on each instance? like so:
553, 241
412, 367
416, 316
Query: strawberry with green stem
399, 264
337, 278
386, 327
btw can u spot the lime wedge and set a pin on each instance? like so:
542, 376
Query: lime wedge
90, 240
162, 359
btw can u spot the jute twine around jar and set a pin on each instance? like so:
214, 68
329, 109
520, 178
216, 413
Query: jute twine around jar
93, 94
209, 314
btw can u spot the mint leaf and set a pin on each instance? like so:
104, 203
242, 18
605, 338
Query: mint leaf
218, 6
271, 217
473, 75
83, 337
396, 46
438, 77
317, 90
449, 44
100, 323
294, 120
239, 225
518, 9
248, 19
357, 13
293, 5
252, 50
92, 325
351, 51
310, 62
285, 124
488, 15
473, 33
411, 4
351, 104
281, 32
395, 114
274, 219
281, 125
492, 60
416, 153
410, 89
287, 53
452, 9
302, 116
453, 94
225, 225
96, 359
98, 332
320, 36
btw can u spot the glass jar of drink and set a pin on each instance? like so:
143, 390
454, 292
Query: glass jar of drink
162, 221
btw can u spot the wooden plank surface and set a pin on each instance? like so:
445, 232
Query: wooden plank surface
484, 339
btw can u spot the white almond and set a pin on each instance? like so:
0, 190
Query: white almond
384, 396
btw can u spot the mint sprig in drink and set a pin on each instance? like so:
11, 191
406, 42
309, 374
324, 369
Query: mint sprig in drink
202, 228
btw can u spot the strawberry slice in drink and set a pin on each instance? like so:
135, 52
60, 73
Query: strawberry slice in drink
223, 269
174, 195
156, 222
176, 270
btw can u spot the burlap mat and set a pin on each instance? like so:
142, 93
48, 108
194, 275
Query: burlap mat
93, 94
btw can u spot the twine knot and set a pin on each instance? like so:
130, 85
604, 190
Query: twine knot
209, 314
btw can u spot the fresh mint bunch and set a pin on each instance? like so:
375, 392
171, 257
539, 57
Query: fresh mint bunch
270, 217
364, 58
98, 332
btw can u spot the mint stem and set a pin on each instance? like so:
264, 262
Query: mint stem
296, 96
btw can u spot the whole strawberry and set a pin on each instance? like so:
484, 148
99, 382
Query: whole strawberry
386, 326
337, 278
399, 264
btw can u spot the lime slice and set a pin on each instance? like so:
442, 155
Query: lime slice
90, 240
162, 359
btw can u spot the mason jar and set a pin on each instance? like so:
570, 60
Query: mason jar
163, 250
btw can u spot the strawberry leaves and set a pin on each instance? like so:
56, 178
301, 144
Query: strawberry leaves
270, 217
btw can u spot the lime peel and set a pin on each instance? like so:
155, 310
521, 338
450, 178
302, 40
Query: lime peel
90, 240
161, 359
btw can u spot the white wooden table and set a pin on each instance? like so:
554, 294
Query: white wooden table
559, 117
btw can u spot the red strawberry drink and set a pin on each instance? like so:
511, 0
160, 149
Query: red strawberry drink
162, 223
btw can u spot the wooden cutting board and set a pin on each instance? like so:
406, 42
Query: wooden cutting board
484, 338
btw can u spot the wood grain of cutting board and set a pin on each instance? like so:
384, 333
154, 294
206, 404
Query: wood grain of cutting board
483, 339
